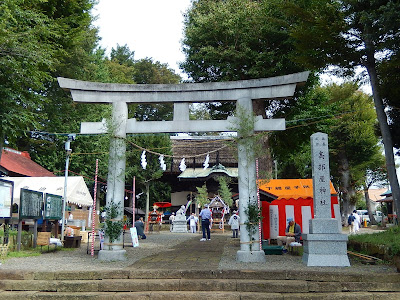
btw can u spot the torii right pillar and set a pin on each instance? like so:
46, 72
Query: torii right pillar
324, 245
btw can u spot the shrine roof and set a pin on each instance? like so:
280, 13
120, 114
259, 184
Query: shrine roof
17, 163
195, 149
202, 173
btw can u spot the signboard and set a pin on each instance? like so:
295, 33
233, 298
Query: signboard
135, 240
31, 203
274, 221
6, 195
52, 207
43, 238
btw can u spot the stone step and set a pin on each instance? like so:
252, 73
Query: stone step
308, 275
194, 285
187, 295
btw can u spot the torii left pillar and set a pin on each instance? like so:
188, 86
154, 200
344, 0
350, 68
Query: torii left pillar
242, 92
116, 177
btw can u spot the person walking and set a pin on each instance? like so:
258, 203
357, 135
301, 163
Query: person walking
205, 216
193, 223
234, 221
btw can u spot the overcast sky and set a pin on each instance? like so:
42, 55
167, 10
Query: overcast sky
151, 28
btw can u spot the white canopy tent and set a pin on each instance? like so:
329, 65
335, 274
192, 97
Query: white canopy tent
77, 191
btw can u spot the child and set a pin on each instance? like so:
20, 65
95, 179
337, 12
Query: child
234, 222
192, 223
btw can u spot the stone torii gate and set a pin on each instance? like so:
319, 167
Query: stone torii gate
181, 95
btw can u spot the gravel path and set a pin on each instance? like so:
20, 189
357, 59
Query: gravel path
78, 260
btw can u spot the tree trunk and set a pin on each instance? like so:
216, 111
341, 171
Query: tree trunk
369, 206
346, 189
384, 127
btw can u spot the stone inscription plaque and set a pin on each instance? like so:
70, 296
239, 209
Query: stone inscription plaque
320, 173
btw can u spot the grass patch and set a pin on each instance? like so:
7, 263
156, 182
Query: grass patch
24, 253
390, 238
36, 251
14, 232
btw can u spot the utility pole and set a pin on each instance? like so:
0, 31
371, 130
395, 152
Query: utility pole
71, 137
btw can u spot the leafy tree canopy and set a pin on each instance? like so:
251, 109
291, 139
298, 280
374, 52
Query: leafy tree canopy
348, 34
227, 40
26, 59
348, 117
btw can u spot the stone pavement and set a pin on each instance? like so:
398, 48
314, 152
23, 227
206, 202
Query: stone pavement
220, 254
190, 254
179, 266
178, 251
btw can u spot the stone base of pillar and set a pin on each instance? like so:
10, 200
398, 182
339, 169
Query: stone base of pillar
180, 227
329, 260
325, 250
250, 256
112, 255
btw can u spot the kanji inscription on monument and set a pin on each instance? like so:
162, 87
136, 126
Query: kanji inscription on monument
320, 171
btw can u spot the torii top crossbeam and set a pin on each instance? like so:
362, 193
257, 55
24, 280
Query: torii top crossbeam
181, 95
265, 88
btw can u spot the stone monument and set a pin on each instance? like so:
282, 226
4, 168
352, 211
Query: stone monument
179, 224
324, 245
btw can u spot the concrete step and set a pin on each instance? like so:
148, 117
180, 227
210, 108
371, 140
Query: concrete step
308, 275
158, 295
197, 284
201, 285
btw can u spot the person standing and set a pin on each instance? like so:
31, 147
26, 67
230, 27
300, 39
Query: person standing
350, 221
171, 221
192, 223
205, 216
234, 221
357, 222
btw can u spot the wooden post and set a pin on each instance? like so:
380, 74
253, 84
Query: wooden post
19, 235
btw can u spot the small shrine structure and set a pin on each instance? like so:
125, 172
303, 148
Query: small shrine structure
218, 210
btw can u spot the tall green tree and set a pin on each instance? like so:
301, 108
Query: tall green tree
389, 76
349, 34
77, 57
354, 143
26, 60
236, 40
123, 55
348, 117
227, 40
